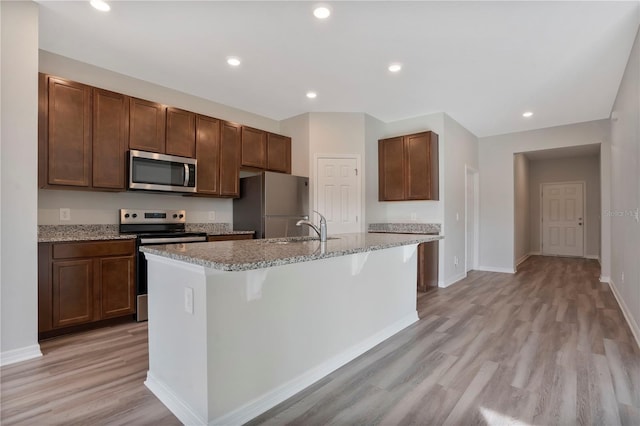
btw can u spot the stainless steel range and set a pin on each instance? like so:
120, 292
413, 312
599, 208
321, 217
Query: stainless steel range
153, 227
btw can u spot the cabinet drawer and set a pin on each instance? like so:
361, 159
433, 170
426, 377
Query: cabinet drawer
229, 237
93, 249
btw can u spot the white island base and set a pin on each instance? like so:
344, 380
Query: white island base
255, 338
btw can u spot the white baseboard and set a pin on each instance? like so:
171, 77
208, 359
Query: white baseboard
18, 355
534, 253
492, 269
281, 393
592, 256
605, 279
633, 325
176, 405
452, 280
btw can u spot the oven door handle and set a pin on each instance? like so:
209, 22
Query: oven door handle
186, 175
147, 241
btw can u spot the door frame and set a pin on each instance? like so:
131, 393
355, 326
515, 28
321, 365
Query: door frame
584, 215
319, 156
468, 170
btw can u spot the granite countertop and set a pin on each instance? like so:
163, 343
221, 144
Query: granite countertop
243, 255
65, 233
405, 228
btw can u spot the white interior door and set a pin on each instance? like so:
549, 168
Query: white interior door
562, 219
338, 193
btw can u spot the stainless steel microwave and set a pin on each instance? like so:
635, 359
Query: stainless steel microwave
159, 172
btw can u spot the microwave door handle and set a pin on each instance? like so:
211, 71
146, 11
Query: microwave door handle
186, 175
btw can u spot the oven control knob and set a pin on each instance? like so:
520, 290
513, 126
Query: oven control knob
181, 216
126, 215
134, 215
175, 216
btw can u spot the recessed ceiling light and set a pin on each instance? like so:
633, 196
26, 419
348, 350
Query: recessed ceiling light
527, 114
312, 95
395, 67
101, 5
321, 12
233, 61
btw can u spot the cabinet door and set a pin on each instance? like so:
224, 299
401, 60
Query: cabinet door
418, 161
73, 292
110, 132
181, 133
278, 153
69, 133
427, 265
117, 284
230, 159
391, 169
254, 148
146, 125
208, 155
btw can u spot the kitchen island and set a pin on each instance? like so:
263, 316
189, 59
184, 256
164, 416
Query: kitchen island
237, 327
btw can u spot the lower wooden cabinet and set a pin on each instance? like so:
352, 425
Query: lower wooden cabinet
81, 283
427, 265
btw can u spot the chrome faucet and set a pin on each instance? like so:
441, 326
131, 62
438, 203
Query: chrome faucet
322, 231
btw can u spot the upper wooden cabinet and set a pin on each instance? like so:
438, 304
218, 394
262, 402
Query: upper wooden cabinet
230, 139
254, 148
208, 155
278, 153
408, 167
146, 126
110, 133
181, 133
64, 132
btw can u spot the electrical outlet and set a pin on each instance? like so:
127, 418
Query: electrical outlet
212, 215
188, 300
457, 217
65, 214
622, 277
455, 260
414, 216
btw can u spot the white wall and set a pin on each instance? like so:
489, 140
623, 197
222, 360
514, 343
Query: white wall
458, 148
497, 182
585, 169
522, 235
298, 128
102, 207
459, 151
18, 180
625, 190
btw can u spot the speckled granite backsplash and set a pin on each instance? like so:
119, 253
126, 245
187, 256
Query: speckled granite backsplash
210, 228
405, 228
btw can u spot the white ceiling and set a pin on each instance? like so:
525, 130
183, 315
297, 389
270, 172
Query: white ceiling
483, 63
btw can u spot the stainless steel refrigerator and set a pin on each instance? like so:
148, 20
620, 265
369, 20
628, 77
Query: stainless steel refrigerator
271, 204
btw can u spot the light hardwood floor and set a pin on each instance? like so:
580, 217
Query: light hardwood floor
545, 346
